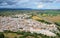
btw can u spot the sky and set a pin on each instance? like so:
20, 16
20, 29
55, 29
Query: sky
33, 4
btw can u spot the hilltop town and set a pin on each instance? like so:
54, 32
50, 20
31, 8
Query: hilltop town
23, 22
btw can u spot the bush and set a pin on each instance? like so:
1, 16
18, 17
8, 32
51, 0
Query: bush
1, 35
20, 32
8, 31
57, 24
44, 21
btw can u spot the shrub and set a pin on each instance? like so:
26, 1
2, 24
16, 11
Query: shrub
1, 35
44, 21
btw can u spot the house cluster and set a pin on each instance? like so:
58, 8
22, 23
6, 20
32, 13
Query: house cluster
23, 24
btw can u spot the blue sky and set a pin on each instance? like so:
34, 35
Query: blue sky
34, 4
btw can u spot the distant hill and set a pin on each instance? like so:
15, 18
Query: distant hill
15, 9
25, 9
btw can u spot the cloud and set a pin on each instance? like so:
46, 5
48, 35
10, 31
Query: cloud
58, 1
3, 4
18, 2
8, 2
40, 6
26, 3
